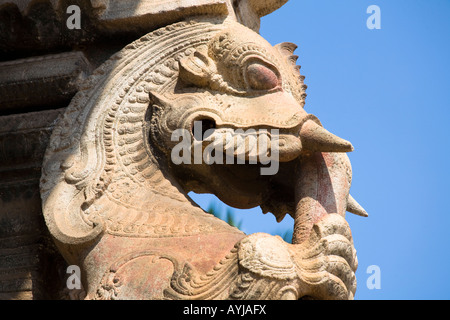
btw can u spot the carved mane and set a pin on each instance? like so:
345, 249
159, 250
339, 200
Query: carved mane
118, 184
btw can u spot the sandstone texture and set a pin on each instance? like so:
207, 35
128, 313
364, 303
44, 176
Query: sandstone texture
91, 123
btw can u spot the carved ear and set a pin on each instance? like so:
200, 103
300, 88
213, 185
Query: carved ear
158, 103
197, 68
159, 100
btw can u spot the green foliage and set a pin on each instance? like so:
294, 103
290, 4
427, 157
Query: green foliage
287, 235
231, 219
230, 216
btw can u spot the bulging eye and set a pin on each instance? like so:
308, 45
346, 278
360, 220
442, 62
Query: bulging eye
260, 77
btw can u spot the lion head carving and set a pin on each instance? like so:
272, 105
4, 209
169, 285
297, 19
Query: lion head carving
116, 202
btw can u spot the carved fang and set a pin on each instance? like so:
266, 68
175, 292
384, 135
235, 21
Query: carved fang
316, 138
355, 208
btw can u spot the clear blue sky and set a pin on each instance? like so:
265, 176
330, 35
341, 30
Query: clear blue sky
388, 92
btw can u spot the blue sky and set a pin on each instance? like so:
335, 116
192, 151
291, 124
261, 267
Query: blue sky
388, 92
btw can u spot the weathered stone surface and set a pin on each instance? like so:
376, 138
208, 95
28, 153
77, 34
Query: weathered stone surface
41, 81
109, 10
30, 265
116, 202
39, 26
23, 140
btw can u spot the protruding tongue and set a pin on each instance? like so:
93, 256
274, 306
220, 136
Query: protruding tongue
323, 179
322, 187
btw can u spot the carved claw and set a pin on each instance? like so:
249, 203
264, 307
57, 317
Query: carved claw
262, 266
327, 262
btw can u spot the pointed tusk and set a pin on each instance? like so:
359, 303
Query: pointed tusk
316, 138
355, 208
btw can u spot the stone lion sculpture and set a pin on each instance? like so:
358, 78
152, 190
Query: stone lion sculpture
117, 204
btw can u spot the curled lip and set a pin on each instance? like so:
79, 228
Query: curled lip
296, 143
307, 135
290, 124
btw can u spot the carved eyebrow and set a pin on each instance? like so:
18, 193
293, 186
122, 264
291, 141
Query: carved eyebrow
241, 53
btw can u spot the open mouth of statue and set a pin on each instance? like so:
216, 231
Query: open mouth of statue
258, 142
304, 174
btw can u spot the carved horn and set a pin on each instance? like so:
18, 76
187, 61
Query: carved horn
316, 138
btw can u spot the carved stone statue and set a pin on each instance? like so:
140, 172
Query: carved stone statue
116, 204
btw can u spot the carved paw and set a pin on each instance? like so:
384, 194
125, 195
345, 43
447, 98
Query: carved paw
326, 262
